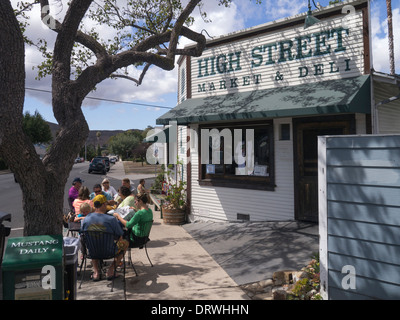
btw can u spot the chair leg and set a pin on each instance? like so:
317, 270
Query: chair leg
145, 248
131, 262
80, 267
84, 270
114, 274
124, 277
123, 259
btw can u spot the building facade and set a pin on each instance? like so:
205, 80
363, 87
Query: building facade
251, 107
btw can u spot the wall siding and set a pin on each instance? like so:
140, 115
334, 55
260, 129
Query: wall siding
360, 215
389, 118
219, 203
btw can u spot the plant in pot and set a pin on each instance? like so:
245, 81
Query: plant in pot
174, 207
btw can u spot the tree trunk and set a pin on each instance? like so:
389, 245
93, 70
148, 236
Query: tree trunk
43, 208
42, 182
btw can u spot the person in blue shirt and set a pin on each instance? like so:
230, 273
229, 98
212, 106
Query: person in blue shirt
98, 190
100, 221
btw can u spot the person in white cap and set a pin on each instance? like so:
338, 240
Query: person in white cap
107, 187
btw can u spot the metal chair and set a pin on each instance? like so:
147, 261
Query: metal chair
74, 228
140, 242
101, 246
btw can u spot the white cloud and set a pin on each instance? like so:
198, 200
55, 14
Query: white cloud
380, 44
223, 20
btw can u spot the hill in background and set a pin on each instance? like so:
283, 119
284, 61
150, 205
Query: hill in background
92, 138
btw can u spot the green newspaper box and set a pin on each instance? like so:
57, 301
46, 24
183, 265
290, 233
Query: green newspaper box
33, 268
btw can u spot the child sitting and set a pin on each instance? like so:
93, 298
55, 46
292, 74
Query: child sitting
85, 209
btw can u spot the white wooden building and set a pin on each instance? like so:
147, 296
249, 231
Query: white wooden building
269, 91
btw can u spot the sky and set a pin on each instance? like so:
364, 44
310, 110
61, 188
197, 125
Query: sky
135, 107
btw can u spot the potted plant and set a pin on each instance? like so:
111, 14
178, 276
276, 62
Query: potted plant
174, 207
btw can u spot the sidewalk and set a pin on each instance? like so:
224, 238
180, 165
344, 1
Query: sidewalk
117, 171
182, 270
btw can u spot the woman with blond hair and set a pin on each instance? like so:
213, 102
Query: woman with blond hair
107, 187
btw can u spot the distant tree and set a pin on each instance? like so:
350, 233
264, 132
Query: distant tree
37, 128
139, 152
145, 131
123, 143
98, 135
91, 151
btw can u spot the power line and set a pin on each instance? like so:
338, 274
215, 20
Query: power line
109, 100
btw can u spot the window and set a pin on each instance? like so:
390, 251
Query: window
238, 156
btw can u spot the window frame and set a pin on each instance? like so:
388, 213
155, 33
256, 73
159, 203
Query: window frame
240, 181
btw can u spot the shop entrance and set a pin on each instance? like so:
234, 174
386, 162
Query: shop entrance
306, 132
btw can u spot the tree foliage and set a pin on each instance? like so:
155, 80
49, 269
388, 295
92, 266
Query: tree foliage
123, 143
37, 128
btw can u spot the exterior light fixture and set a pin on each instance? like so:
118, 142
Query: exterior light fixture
310, 20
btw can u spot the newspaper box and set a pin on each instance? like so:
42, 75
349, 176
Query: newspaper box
33, 268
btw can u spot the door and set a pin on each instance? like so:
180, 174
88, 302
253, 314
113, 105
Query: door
306, 163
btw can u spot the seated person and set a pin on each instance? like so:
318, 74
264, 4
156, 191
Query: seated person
97, 190
143, 215
141, 189
98, 220
107, 187
83, 196
84, 210
126, 182
128, 199
73, 192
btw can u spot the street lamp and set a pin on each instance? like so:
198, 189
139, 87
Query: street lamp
310, 20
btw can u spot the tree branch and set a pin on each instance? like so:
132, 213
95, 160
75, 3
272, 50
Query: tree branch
67, 32
163, 58
176, 31
81, 37
137, 81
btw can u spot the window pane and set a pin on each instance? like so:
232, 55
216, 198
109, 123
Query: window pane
252, 163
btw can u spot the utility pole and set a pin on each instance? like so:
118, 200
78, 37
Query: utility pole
390, 36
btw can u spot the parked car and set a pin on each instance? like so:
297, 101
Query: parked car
78, 160
107, 161
97, 165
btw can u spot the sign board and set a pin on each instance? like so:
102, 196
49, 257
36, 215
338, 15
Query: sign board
33, 268
330, 49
